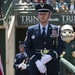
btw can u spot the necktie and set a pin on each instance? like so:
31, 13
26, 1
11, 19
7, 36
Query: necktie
43, 33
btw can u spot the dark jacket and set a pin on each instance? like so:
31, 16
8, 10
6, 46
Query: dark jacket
52, 41
20, 57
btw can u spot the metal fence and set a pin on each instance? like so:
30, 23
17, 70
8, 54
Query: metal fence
7, 11
66, 68
6, 5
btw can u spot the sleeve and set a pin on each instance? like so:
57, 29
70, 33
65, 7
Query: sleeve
16, 63
28, 46
59, 48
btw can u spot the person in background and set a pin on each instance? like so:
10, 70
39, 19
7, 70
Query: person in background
55, 5
72, 7
43, 44
49, 2
63, 6
21, 62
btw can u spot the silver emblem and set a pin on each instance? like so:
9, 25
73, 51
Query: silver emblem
54, 33
33, 36
42, 5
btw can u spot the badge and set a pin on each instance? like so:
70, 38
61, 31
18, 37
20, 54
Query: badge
33, 36
54, 33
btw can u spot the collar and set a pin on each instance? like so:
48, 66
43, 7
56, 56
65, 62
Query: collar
42, 26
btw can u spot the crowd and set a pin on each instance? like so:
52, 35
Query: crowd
62, 6
58, 6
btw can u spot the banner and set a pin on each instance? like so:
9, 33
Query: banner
57, 19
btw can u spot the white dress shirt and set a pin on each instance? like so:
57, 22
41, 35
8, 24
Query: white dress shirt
46, 28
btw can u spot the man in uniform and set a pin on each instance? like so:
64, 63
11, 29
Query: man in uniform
21, 61
43, 44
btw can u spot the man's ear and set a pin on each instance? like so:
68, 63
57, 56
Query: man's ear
38, 16
49, 16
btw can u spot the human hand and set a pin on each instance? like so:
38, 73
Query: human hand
20, 65
45, 59
24, 66
40, 66
62, 54
73, 54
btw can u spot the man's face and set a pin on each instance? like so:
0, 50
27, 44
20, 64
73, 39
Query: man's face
44, 16
21, 48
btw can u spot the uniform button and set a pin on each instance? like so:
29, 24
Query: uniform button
44, 42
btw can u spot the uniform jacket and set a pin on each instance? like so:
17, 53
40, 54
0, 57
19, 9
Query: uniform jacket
34, 41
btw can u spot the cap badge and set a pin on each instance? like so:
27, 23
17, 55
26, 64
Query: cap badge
42, 5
